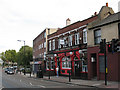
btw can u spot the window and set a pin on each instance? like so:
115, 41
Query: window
53, 44
65, 42
44, 44
49, 45
51, 64
44, 34
97, 36
66, 62
70, 40
84, 67
76, 38
44, 55
59, 45
84, 36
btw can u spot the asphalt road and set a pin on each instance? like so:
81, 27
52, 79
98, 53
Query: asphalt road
21, 81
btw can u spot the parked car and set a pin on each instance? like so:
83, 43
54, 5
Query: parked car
6, 69
10, 71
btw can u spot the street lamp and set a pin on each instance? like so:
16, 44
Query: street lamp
24, 52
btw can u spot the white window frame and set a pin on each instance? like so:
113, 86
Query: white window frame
85, 36
77, 35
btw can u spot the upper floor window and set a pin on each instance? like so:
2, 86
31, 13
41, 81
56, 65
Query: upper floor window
70, 40
76, 38
59, 43
53, 44
44, 34
44, 44
85, 36
97, 36
49, 45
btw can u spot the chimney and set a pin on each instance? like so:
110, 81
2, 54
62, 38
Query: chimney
106, 4
95, 13
68, 21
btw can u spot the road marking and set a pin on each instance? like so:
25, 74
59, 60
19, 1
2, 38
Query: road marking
37, 85
31, 84
20, 80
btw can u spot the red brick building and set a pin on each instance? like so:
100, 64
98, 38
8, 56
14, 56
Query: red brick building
67, 49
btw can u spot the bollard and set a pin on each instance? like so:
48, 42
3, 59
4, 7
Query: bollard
69, 76
49, 74
30, 73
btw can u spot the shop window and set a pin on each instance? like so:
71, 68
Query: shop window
66, 62
51, 64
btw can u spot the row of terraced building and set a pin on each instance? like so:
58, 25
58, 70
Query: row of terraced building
75, 47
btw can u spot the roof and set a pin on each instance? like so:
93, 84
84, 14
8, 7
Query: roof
110, 19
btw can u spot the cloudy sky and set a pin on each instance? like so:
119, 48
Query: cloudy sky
25, 19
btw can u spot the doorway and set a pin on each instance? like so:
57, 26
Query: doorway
94, 65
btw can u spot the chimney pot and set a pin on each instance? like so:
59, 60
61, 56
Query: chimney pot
107, 4
95, 13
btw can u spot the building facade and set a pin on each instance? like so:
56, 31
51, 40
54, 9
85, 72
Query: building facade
67, 49
107, 28
40, 48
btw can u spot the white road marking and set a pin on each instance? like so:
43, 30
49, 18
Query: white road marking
20, 80
31, 84
37, 85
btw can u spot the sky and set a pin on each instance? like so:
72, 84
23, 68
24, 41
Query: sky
26, 19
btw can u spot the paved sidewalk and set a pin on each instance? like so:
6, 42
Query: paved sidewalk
80, 82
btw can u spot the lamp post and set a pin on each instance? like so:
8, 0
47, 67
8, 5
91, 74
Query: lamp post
24, 53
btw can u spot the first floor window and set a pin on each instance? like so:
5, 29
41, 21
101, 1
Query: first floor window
53, 45
49, 45
97, 36
76, 38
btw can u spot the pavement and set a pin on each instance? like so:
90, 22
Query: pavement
80, 82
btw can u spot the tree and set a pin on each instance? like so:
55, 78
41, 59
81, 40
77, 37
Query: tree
24, 58
10, 55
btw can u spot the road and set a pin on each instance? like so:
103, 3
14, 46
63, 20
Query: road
21, 81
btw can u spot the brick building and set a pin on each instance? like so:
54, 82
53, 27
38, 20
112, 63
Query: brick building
67, 49
40, 48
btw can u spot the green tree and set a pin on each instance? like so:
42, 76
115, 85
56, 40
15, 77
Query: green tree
24, 56
10, 55
2, 56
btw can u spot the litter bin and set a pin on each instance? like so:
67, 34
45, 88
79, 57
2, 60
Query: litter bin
39, 74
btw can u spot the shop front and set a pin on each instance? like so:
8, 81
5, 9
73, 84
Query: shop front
74, 62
